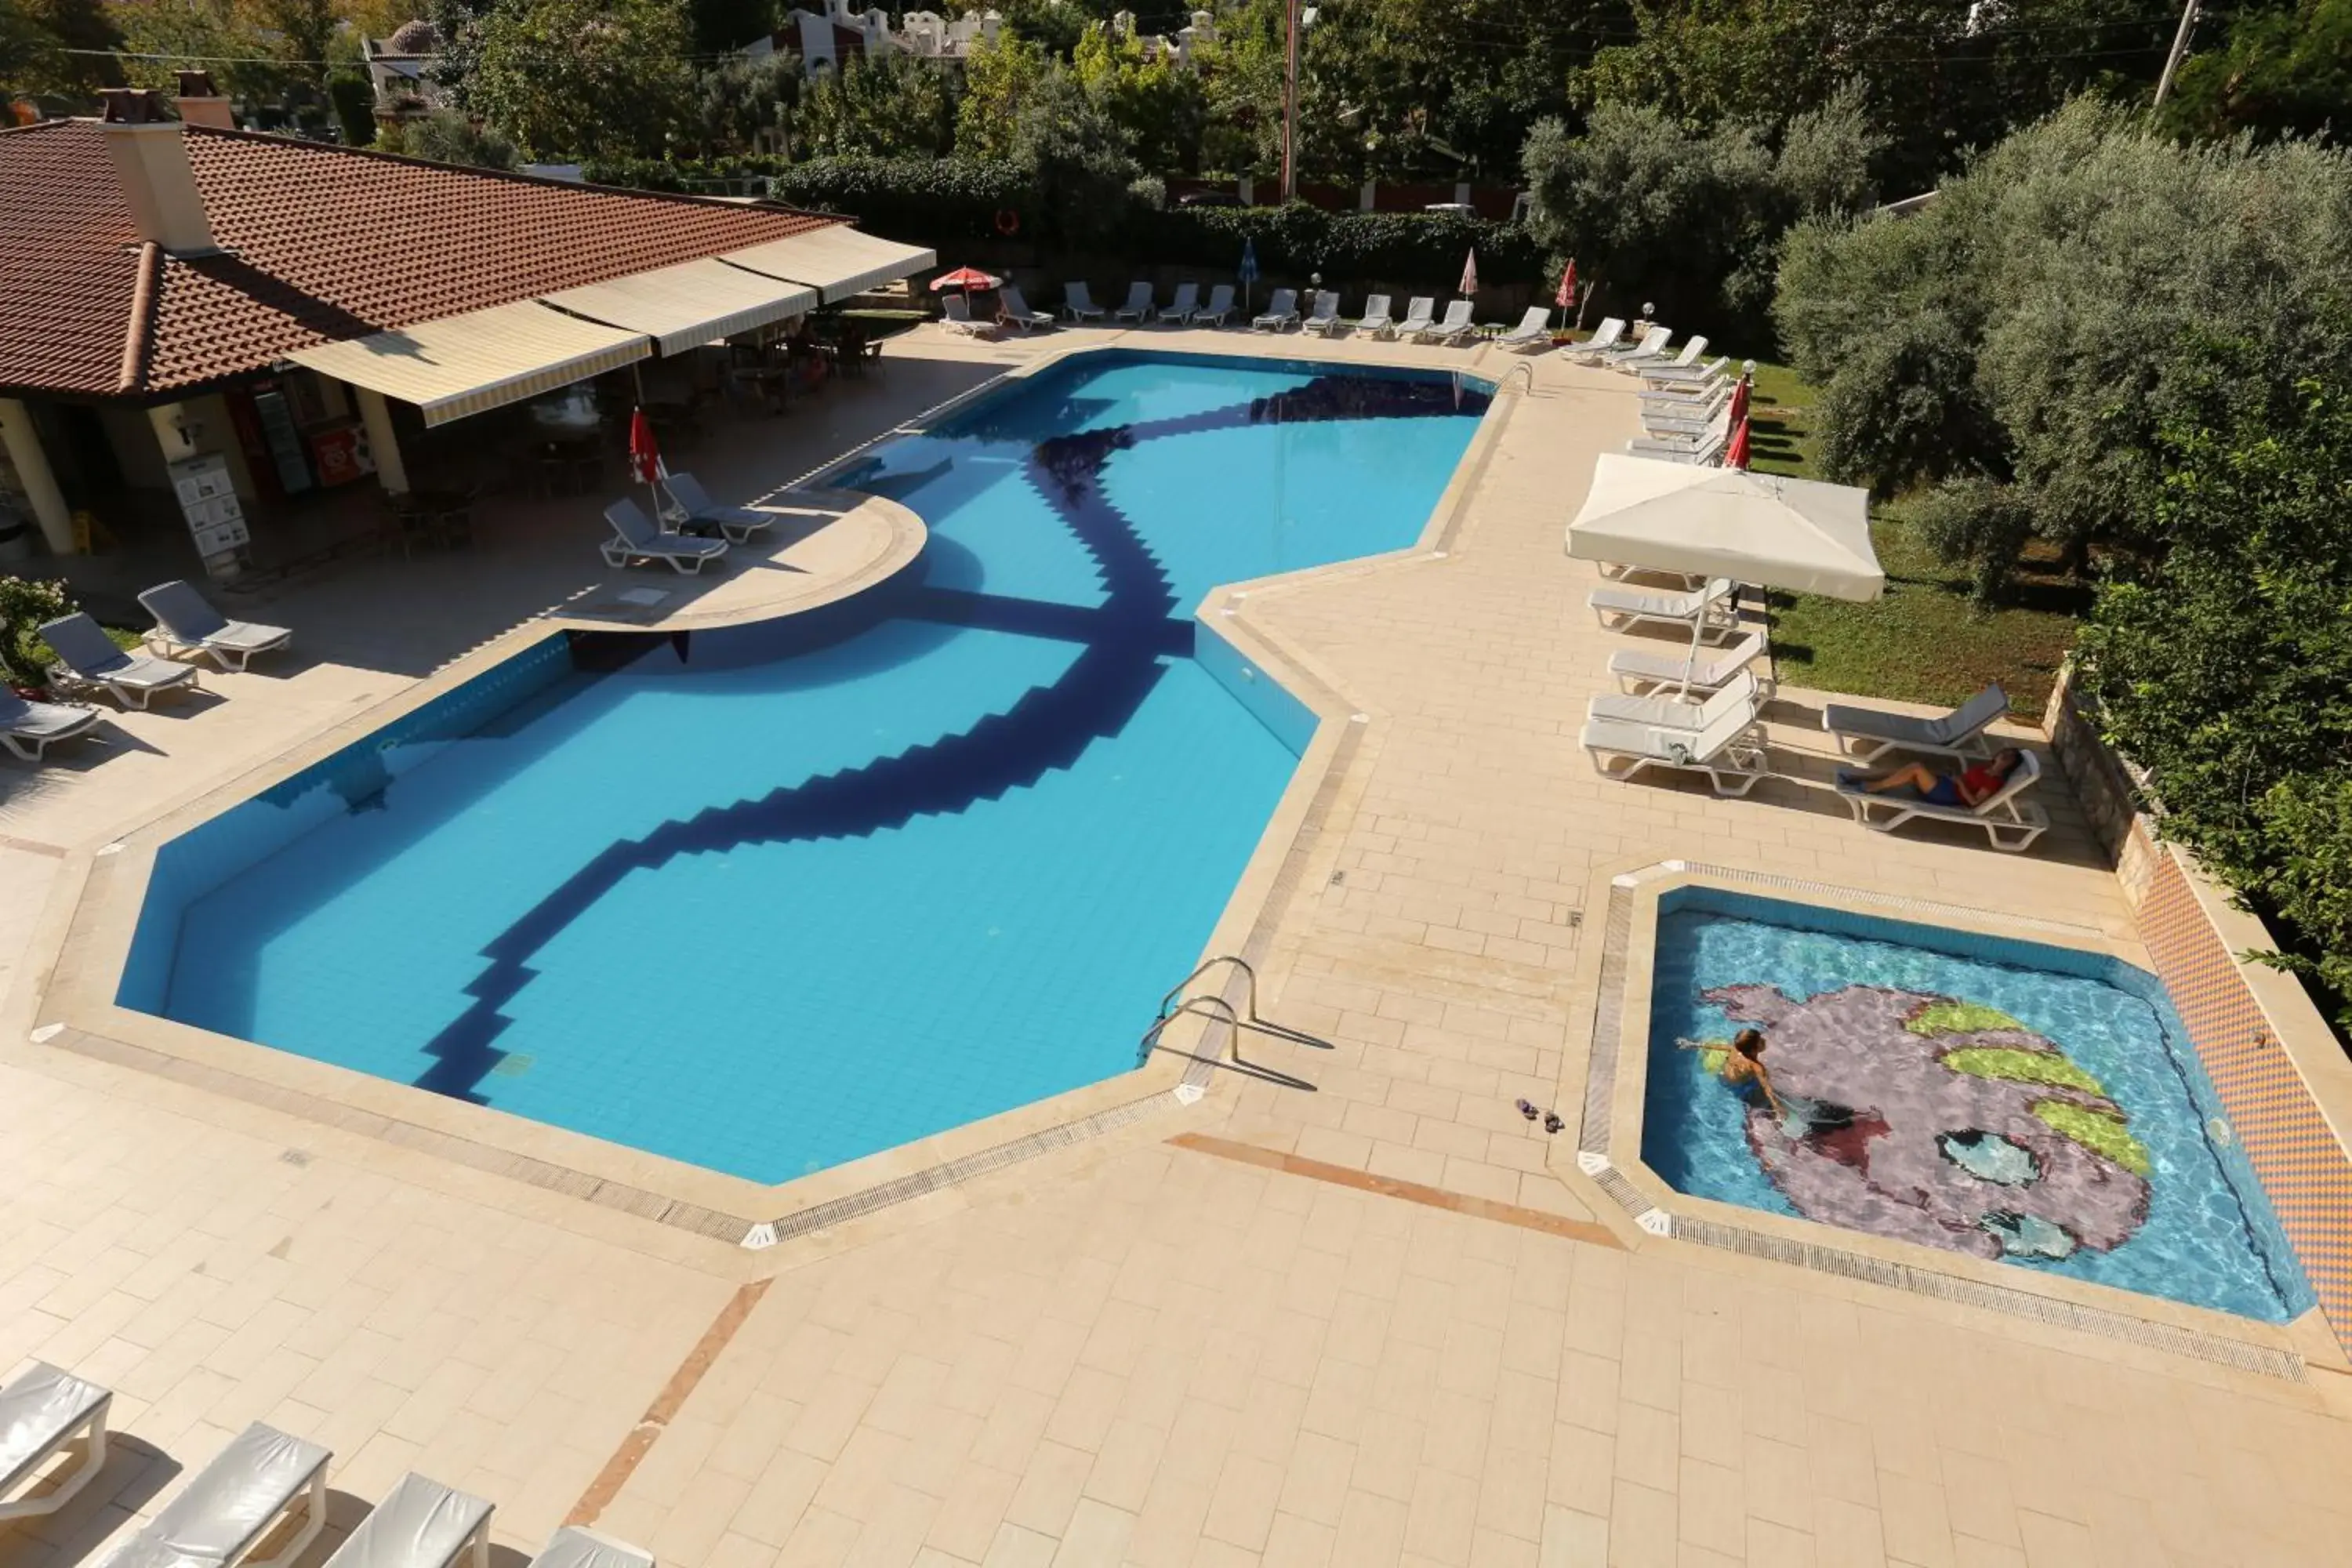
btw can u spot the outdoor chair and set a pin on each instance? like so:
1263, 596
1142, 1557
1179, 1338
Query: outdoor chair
1867, 734
1671, 380
955, 315
1376, 322
1324, 320
29, 729
1455, 327
1707, 451
1220, 306
634, 538
1534, 332
1012, 311
41, 1414
1077, 304
221, 1517
1180, 308
1604, 338
1657, 392
1686, 360
420, 1523
1661, 711
690, 509
91, 659
2011, 825
1644, 670
1138, 307
1281, 311
1705, 612
1419, 317
186, 621
572, 1547
1728, 747
1653, 346
1684, 430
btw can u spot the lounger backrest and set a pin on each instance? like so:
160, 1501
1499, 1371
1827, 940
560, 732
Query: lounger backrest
1188, 296
1970, 716
184, 612
1284, 303
1075, 294
1535, 317
1009, 301
1653, 340
1376, 306
1734, 658
1327, 304
1423, 307
219, 1513
1608, 334
956, 308
86, 649
40, 1407
1690, 351
420, 1523
1220, 297
1458, 313
1739, 692
2029, 769
1139, 296
629, 520
1723, 726
688, 492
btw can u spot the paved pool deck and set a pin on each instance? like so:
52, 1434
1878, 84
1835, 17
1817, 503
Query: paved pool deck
1385, 1321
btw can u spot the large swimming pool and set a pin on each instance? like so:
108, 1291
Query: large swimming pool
771, 898
2009, 1099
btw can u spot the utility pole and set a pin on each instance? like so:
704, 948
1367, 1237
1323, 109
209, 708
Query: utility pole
2172, 60
1290, 106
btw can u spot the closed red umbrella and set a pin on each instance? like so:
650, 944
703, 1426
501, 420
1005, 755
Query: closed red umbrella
965, 278
1738, 402
1736, 455
645, 455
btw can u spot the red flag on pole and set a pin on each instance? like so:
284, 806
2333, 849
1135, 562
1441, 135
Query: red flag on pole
1736, 455
1565, 297
645, 456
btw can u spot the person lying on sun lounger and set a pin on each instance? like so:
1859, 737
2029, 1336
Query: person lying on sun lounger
1972, 786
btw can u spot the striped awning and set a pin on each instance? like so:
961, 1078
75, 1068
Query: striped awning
838, 262
464, 364
690, 305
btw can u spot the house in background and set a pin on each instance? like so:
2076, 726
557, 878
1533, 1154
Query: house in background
400, 68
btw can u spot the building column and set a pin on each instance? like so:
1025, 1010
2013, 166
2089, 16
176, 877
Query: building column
33, 472
383, 445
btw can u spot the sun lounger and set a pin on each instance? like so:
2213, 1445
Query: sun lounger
1012, 311
186, 620
1707, 450
1653, 346
219, 1518
29, 729
1420, 315
955, 315
2009, 823
1453, 328
1534, 330
1667, 378
1324, 319
1865, 733
1690, 426
1686, 360
91, 659
1138, 307
1077, 304
572, 1547
691, 509
1683, 395
1708, 609
634, 538
1598, 347
1281, 311
420, 1523
41, 1413
1728, 748
1643, 670
1663, 711
1179, 310
1220, 306
1376, 322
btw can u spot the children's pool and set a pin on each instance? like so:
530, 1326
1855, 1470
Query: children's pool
771, 898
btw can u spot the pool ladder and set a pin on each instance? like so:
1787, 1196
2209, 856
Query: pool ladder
1212, 1004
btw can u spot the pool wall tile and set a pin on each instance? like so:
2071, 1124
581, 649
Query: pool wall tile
2301, 1163
1267, 700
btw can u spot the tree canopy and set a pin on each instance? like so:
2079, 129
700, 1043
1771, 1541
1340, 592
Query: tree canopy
572, 78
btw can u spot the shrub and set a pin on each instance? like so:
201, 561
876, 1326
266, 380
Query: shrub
24, 605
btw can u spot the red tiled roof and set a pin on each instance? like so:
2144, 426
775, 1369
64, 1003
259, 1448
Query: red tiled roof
319, 243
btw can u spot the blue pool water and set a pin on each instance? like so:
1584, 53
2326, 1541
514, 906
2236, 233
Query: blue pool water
1918, 1121
771, 898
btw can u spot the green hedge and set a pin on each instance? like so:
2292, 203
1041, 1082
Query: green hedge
948, 203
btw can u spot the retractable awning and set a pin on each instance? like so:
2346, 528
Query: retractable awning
690, 305
839, 261
463, 364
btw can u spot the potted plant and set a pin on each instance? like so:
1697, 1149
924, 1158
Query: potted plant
26, 605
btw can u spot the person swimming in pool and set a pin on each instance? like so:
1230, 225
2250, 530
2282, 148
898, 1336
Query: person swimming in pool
1971, 787
1744, 1070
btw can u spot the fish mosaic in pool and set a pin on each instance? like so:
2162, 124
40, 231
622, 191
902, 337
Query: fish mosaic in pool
1980, 1105
769, 898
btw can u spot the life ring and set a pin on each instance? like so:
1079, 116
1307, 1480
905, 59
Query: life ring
1008, 222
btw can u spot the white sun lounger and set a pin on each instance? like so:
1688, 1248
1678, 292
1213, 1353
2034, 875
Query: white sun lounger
184, 620
572, 1547
1729, 749
1686, 360
1420, 315
1534, 330
91, 659
1683, 395
41, 1413
1689, 428
1653, 346
2009, 823
1376, 322
1012, 311
29, 729
1596, 348
955, 315
1865, 733
1138, 307
1456, 325
690, 505
1642, 670
1220, 306
420, 1523
1324, 319
1668, 378
1281, 311
1706, 610
634, 538
1179, 310
1706, 450
219, 1518
1661, 711
1077, 304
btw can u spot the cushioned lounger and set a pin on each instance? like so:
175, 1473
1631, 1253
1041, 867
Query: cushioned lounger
420, 1523
91, 658
634, 538
1868, 733
40, 1412
1220, 306
228, 1510
694, 506
184, 619
1646, 669
29, 728
572, 1547
1663, 713
1730, 751
1706, 610
2011, 824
